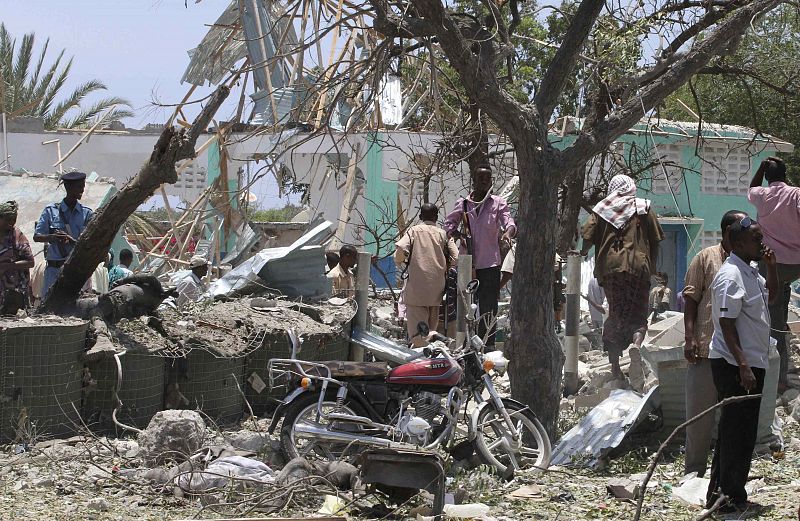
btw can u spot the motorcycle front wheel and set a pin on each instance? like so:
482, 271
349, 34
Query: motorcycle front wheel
304, 411
496, 445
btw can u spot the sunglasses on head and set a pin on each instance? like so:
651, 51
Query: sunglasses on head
747, 222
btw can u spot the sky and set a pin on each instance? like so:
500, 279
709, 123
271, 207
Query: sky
138, 48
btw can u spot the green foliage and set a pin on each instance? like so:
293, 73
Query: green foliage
284, 214
770, 53
29, 87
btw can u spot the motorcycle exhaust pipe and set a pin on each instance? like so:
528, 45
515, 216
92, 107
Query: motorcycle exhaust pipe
312, 431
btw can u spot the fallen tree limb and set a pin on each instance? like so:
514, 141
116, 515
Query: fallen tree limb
657, 455
173, 145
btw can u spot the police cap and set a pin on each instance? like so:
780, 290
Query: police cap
73, 176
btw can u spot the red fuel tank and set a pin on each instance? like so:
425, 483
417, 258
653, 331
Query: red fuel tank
426, 371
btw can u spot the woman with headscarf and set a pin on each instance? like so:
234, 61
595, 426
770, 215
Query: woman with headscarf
625, 234
16, 259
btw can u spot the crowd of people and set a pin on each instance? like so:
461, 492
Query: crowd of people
23, 283
735, 294
735, 300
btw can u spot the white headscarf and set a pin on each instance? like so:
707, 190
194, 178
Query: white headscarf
621, 202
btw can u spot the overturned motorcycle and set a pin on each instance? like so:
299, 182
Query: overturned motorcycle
334, 407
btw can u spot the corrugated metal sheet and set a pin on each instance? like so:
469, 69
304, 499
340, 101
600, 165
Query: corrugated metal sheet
296, 270
604, 428
207, 62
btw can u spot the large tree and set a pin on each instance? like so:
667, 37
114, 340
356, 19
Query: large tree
482, 51
29, 86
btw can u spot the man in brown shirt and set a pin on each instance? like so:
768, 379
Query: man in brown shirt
625, 234
699, 327
426, 254
341, 276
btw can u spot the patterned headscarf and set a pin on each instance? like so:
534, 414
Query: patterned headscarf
621, 202
8, 209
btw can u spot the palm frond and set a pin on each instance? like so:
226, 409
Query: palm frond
20, 72
74, 99
26, 89
86, 116
50, 95
34, 79
44, 84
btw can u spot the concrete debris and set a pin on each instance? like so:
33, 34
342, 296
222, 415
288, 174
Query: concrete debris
623, 488
97, 504
222, 473
466, 511
172, 435
250, 441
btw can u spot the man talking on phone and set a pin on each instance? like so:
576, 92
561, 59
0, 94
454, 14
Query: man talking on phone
739, 357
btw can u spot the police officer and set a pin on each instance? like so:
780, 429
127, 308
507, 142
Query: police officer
61, 224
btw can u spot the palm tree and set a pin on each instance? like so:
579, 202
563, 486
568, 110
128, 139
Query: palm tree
33, 91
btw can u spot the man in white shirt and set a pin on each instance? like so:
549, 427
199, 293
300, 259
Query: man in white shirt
191, 288
739, 357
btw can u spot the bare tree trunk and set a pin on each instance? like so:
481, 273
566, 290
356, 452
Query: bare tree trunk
570, 209
535, 352
92, 247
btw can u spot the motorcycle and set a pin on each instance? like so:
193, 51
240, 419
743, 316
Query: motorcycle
335, 406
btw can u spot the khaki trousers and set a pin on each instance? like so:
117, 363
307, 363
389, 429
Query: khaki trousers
417, 314
700, 395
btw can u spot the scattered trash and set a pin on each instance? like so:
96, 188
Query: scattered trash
604, 428
333, 506
219, 474
692, 490
466, 511
528, 492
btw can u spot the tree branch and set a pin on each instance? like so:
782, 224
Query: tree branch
563, 63
93, 244
604, 132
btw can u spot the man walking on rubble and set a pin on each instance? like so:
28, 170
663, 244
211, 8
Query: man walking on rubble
425, 254
778, 206
625, 234
739, 357
699, 327
60, 225
341, 276
191, 288
486, 220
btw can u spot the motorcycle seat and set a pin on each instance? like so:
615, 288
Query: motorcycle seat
340, 368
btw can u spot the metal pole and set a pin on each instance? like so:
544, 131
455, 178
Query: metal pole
464, 276
6, 161
573, 293
362, 301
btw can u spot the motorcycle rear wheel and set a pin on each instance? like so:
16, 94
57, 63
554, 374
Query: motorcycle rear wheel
497, 448
304, 409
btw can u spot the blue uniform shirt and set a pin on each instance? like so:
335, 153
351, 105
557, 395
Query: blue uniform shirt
59, 216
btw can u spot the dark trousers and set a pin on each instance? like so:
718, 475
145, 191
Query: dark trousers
779, 312
736, 434
488, 295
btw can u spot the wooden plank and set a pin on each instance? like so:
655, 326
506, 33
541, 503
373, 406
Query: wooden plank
349, 198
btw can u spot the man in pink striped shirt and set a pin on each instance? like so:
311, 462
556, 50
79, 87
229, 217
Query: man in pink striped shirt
486, 220
778, 206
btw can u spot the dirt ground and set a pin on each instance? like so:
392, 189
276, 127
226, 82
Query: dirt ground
88, 480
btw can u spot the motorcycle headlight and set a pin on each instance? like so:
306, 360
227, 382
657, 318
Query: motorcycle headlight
495, 360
